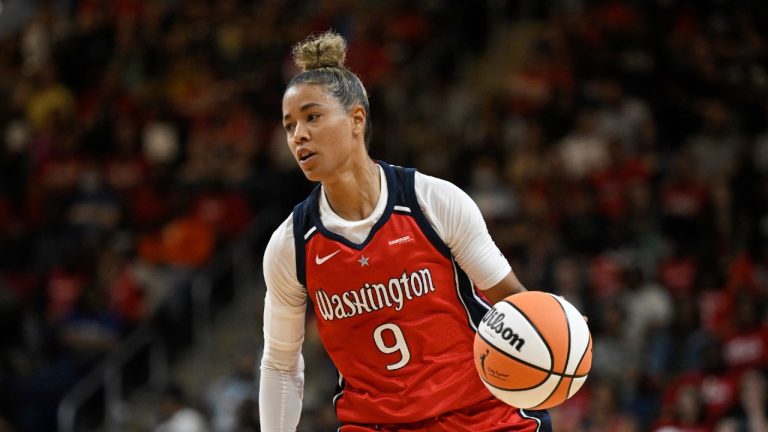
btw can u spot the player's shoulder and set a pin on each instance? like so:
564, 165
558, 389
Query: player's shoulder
434, 189
281, 242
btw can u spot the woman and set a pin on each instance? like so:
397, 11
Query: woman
390, 259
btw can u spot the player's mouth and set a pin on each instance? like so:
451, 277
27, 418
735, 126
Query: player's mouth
304, 155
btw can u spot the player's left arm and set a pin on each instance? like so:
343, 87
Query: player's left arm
459, 223
505, 288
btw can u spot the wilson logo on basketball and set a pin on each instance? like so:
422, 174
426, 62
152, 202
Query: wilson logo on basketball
495, 321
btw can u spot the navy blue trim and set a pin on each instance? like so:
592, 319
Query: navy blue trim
339, 391
314, 210
545, 421
410, 201
475, 308
301, 224
401, 174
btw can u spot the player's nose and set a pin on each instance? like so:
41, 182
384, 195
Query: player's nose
300, 133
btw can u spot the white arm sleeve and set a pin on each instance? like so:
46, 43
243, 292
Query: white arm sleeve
459, 223
281, 385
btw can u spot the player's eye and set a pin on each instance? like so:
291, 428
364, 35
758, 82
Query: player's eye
312, 117
289, 127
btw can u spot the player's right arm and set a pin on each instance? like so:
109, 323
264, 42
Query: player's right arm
281, 384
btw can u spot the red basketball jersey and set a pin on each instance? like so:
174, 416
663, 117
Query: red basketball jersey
396, 314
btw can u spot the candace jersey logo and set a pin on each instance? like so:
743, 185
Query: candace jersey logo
375, 296
494, 320
401, 240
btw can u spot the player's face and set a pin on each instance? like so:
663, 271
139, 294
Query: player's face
320, 134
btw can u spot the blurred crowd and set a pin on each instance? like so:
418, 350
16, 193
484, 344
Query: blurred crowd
618, 150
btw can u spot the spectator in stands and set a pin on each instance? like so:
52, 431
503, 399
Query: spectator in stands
232, 398
688, 413
177, 415
605, 412
698, 398
751, 411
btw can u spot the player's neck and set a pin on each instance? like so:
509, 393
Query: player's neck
354, 193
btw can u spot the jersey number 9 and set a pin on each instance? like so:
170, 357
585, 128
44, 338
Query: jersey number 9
399, 344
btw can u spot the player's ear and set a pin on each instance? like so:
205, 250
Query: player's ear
358, 119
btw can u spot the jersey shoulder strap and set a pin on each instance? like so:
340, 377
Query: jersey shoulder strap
303, 228
407, 203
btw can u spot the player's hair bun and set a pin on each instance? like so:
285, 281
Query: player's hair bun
318, 51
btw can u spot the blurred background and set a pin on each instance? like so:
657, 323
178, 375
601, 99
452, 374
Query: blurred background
618, 150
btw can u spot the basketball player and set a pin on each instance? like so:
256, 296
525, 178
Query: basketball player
393, 261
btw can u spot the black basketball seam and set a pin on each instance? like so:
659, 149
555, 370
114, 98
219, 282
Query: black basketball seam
512, 390
584, 353
529, 388
515, 390
586, 348
551, 355
536, 329
549, 373
568, 353
538, 368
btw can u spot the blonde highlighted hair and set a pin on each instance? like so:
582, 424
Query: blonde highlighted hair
321, 59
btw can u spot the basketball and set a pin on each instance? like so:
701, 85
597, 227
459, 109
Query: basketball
533, 350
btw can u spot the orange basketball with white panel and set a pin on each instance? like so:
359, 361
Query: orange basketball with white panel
533, 350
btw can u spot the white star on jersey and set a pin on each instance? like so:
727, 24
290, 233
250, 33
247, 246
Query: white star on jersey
363, 261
